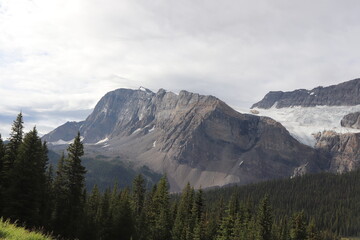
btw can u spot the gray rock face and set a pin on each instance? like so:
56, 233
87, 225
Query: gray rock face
65, 132
343, 94
351, 120
343, 150
192, 138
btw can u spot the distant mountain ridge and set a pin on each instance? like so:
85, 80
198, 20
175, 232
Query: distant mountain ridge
343, 94
326, 118
190, 137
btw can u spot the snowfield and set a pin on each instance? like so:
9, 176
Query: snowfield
303, 122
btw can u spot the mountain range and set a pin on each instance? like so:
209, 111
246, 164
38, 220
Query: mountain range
200, 139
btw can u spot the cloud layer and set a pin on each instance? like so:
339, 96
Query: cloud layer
57, 58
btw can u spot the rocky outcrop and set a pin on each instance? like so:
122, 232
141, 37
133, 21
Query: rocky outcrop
192, 138
342, 149
351, 120
65, 132
343, 94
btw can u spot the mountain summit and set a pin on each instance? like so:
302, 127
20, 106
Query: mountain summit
343, 94
190, 137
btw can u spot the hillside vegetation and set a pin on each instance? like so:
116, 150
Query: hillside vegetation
10, 231
331, 200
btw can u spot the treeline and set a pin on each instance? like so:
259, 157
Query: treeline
331, 200
34, 195
155, 215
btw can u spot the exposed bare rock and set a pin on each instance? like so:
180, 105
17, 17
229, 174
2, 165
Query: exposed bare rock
192, 138
343, 94
65, 132
351, 120
344, 150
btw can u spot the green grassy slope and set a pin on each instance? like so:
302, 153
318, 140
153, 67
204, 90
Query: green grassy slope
11, 232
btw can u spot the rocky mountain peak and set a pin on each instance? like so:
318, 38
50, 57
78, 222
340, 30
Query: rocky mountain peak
343, 94
191, 137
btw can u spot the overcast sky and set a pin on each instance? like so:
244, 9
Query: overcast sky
59, 57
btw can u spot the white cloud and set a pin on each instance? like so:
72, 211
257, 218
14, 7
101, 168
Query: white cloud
63, 55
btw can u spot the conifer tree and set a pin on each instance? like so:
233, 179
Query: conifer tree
138, 198
60, 198
182, 224
11, 151
75, 185
150, 213
198, 206
2, 154
162, 209
198, 215
122, 217
46, 188
25, 191
105, 214
312, 233
92, 219
264, 220
298, 227
226, 230
12, 147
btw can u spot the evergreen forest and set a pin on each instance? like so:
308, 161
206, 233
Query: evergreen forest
34, 195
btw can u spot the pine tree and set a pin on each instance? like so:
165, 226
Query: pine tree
198, 216
226, 230
92, 219
105, 214
198, 206
12, 147
138, 198
182, 224
284, 230
298, 227
312, 233
11, 151
264, 220
162, 208
46, 203
122, 221
2, 154
150, 214
25, 191
61, 198
75, 185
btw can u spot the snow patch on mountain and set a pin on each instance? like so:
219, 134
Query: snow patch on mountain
303, 122
102, 141
61, 142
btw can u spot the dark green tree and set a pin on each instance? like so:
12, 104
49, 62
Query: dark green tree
46, 204
26, 189
162, 230
92, 218
138, 199
122, 221
198, 218
264, 220
2, 155
183, 227
226, 229
11, 151
61, 198
298, 227
74, 173
16, 136
312, 233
